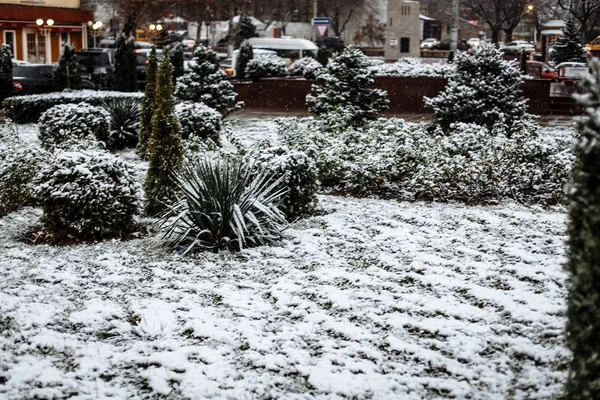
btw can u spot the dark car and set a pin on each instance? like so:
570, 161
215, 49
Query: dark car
141, 56
33, 79
333, 43
97, 67
445, 45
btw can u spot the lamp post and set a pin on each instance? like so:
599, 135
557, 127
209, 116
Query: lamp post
154, 31
44, 26
95, 26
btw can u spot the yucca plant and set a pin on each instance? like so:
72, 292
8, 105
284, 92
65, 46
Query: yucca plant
124, 123
224, 205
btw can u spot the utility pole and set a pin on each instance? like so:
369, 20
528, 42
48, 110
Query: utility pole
314, 30
454, 29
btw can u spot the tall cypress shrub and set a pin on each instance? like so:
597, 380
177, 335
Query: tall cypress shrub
6, 67
165, 149
67, 74
583, 265
125, 79
245, 55
569, 46
147, 106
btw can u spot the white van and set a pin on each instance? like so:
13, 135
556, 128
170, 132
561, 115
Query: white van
289, 50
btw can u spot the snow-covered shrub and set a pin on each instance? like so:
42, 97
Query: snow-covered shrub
412, 67
124, 122
26, 109
484, 90
299, 177
199, 120
87, 195
307, 67
73, 121
569, 46
345, 83
19, 165
265, 66
225, 205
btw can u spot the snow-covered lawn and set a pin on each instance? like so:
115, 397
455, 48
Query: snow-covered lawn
369, 299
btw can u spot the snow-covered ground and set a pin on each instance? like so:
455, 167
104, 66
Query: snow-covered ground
369, 299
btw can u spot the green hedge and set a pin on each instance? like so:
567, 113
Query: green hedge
27, 109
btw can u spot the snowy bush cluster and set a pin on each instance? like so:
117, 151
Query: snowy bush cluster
472, 164
198, 120
88, 195
307, 67
73, 121
25, 109
265, 66
412, 67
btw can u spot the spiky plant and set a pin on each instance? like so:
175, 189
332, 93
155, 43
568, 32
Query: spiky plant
124, 122
224, 206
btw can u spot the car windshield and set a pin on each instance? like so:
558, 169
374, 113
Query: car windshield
92, 59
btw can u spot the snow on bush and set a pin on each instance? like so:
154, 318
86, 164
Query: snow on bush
87, 195
299, 177
412, 67
265, 66
307, 67
73, 121
469, 165
199, 120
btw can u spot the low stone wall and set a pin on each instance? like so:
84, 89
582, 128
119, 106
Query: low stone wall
405, 93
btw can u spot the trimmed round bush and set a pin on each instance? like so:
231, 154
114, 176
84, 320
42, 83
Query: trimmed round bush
306, 67
198, 120
87, 195
73, 121
18, 167
299, 177
265, 66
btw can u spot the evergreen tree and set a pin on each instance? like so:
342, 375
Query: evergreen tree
583, 265
345, 83
147, 106
67, 74
207, 84
164, 148
6, 67
245, 55
247, 30
176, 51
323, 56
568, 46
523, 62
484, 90
125, 65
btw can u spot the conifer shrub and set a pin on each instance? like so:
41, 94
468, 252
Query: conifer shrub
125, 76
583, 301
298, 175
86, 195
73, 121
176, 51
198, 120
307, 67
6, 67
323, 56
207, 84
569, 46
124, 123
245, 55
67, 74
224, 205
345, 83
147, 106
265, 66
484, 90
164, 147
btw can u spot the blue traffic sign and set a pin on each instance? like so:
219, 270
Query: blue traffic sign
321, 21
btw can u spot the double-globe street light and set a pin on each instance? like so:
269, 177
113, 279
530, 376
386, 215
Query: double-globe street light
95, 26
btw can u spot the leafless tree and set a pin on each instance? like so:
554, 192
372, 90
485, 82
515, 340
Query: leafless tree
585, 12
341, 12
499, 14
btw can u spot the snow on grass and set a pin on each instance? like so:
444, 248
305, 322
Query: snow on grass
369, 299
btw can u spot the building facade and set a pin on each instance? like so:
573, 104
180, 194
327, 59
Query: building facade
37, 30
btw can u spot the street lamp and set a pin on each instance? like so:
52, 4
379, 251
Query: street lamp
155, 30
44, 26
95, 26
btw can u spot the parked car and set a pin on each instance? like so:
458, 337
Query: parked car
33, 79
571, 70
428, 43
594, 45
333, 43
445, 45
474, 42
141, 56
545, 71
518, 46
97, 67
226, 66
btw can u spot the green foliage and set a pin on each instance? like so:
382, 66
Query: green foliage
87, 195
247, 30
64, 122
28, 109
176, 51
224, 207
67, 74
207, 84
164, 147
6, 67
484, 90
583, 303
124, 123
198, 120
148, 105
125, 77
323, 56
245, 55
569, 46
265, 66
345, 83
